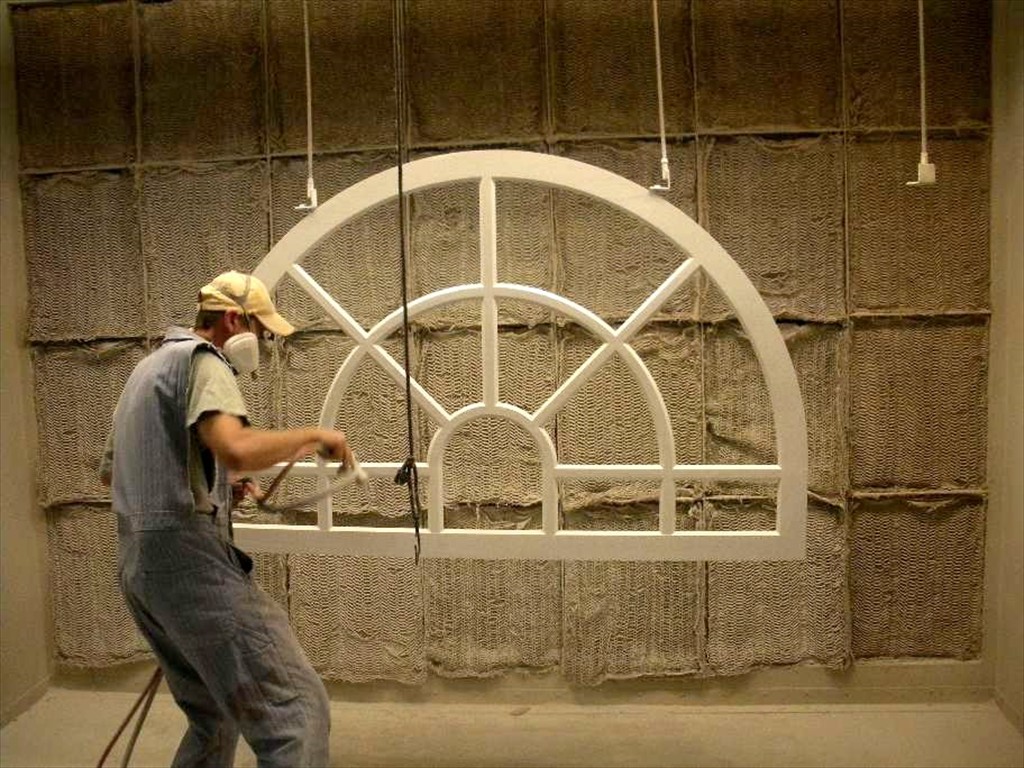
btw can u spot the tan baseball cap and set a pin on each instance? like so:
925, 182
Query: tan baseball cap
238, 291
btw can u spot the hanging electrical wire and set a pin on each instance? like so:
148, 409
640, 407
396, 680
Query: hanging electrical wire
925, 169
311, 201
666, 179
407, 474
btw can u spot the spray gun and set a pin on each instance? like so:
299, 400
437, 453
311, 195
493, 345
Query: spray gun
347, 474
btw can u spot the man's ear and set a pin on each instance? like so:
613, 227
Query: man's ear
232, 318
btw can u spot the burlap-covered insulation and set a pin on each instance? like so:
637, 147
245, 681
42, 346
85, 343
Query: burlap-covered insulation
359, 619
738, 412
372, 415
527, 363
485, 617
883, 73
609, 261
203, 87
763, 613
162, 143
353, 58
490, 460
918, 403
200, 220
916, 566
358, 264
631, 619
918, 253
85, 272
77, 388
92, 122
640, 516
478, 50
760, 67
444, 239
262, 392
600, 86
526, 247
92, 625
776, 206
310, 362
608, 420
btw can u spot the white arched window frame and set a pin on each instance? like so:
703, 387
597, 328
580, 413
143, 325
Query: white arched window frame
786, 542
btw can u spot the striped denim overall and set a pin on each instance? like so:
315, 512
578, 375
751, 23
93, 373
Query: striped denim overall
229, 655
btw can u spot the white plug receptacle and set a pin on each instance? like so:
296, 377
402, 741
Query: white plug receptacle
925, 173
666, 178
311, 201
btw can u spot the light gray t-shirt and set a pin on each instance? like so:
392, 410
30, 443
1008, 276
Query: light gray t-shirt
212, 388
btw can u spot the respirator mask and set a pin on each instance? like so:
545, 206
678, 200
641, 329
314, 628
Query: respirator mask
243, 352
243, 349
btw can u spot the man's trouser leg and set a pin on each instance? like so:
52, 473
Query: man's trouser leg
235, 638
212, 736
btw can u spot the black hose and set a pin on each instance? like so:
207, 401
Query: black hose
407, 475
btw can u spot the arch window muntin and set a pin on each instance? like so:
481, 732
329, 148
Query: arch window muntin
787, 541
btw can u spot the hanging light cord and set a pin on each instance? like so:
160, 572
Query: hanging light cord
925, 169
666, 179
311, 201
407, 474
920, 53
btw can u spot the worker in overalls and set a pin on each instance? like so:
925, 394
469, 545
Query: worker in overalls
180, 434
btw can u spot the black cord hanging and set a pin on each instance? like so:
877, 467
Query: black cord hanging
407, 474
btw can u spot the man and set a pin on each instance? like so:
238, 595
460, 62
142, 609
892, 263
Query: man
180, 430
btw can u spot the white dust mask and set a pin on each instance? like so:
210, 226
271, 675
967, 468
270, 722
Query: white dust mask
243, 352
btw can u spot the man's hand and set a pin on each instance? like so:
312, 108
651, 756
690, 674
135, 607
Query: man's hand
334, 445
245, 486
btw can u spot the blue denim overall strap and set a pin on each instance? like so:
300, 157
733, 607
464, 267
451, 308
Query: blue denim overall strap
152, 442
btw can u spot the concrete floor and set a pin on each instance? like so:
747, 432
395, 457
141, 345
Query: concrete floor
70, 727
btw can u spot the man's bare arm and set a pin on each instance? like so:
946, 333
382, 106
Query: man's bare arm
246, 449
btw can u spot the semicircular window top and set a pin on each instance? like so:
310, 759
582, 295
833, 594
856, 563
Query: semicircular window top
698, 250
